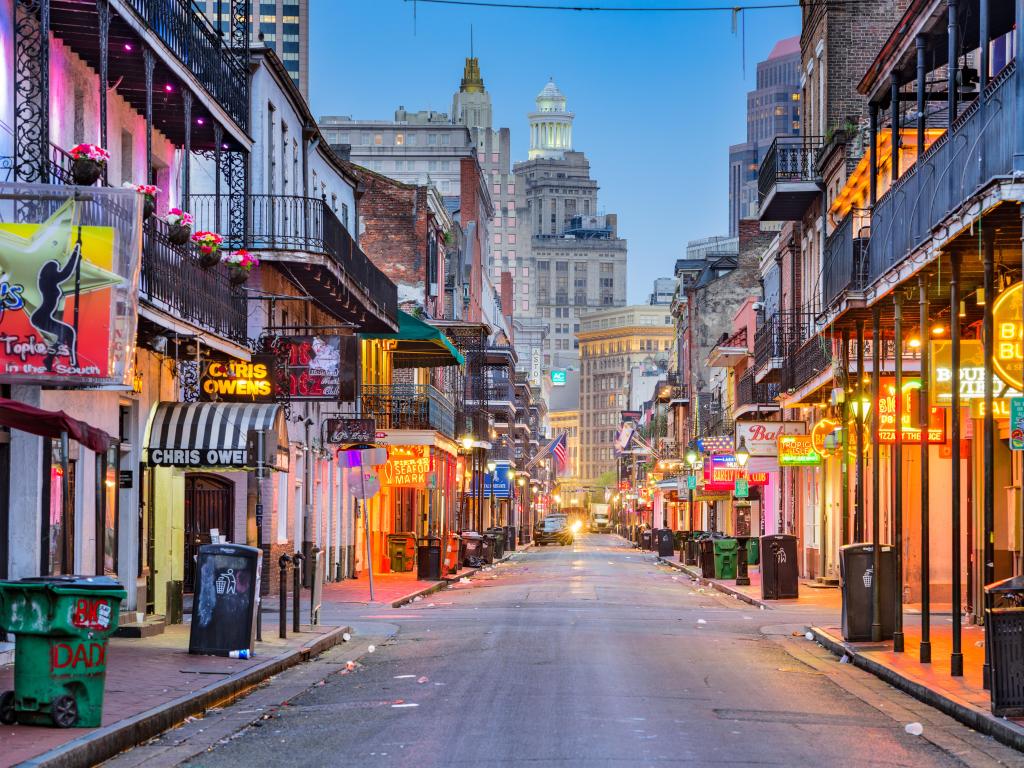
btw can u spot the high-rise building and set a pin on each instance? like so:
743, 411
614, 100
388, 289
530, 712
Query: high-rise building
614, 342
773, 109
663, 290
279, 24
571, 259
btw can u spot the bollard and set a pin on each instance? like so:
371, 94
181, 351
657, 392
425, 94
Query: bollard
742, 578
282, 608
297, 558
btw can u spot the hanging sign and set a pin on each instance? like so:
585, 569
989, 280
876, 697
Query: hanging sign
911, 398
722, 472
407, 466
237, 380
826, 437
797, 451
69, 293
1008, 353
972, 379
742, 488
1017, 424
762, 436
345, 430
691, 482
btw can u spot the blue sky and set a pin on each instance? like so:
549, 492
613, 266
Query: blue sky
658, 97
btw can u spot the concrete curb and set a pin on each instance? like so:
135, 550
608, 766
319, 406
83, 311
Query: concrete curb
723, 588
1005, 731
105, 742
447, 580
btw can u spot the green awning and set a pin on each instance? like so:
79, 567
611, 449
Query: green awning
419, 344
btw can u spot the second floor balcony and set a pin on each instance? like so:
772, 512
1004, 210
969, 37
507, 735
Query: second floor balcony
752, 396
308, 241
408, 406
787, 179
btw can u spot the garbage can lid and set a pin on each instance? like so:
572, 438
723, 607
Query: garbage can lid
470, 535
241, 550
74, 582
1012, 584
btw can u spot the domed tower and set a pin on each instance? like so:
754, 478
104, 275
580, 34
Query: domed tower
550, 125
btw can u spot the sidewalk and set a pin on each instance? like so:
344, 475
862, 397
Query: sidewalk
962, 698
152, 685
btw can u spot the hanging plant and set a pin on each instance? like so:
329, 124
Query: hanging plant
209, 248
179, 225
240, 264
149, 193
87, 163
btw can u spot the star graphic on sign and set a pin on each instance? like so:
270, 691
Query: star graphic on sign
22, 257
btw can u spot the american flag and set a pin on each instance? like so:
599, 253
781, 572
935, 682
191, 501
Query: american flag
561, 453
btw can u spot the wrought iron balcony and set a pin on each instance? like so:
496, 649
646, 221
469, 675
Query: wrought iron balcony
186, 34
751, 395
408, 406
291, 229
947, 175
806, 361
845, 268
787, 179
173, 281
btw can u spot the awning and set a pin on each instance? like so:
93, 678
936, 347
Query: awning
419, 344
215, 435
36, 421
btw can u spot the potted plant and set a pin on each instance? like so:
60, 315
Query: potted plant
179, 225
209, 247
88, 162
149, 193
240, 264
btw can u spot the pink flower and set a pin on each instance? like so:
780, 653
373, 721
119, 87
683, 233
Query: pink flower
90, 152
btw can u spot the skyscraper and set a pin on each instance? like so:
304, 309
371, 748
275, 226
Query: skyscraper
773, 109
279, 24
571, 259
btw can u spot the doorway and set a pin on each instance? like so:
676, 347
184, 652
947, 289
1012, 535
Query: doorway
209, 504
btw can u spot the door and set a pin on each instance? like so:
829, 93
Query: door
209, 503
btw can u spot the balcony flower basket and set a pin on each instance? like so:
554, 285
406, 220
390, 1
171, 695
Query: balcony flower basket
87, 163
149, 193
179, 226
209, 248
240, 263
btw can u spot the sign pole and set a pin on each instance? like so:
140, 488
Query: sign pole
366, 529
260, 458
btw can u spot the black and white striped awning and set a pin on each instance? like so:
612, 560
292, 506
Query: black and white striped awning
216, 435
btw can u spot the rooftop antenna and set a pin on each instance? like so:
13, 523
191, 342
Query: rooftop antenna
471, 41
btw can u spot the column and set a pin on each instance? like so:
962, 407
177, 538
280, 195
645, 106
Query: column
897, 637
956, 660
926, 643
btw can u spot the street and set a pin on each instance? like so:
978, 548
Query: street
585, 655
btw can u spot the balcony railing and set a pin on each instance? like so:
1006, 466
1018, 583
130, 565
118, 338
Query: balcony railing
789, 159
172, 280
979, 148
807, 360
845, 266
408, 406
304, 224
187, 35
749, 392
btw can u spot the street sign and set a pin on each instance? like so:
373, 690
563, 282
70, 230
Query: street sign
742, 488
559, 377
1017, 424
342, 430
691, 482
363, 482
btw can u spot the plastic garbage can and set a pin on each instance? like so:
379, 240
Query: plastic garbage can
856, 580
779, 575
666, 542
707, 557
1004, 628
428, 558
725, 558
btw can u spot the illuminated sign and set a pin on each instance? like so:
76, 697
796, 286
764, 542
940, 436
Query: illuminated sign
559, 377
911, 399
407, 466
826, 437
762, 436
797, 451
1008, 354
972, 375
722, 472
236, 380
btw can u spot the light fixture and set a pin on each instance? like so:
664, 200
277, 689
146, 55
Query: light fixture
938, 330
491, 466
742, 454
128, 47
691, 455
914, 343
963, 308
861, 407
168, 87
467, 442
521, 482
979, 296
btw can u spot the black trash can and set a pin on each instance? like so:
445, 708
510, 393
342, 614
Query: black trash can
510, 538
684, 544
646, 539
499, 541
428, 558
666, 542
707, 557
487, 550
225, 601
693, 548
780, 573
856, 577
472, 544
1004, 629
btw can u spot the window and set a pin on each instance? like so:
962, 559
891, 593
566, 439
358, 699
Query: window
378, 139
524, 305
526, 271
511, 190
126, 158
511, 239
432, 139
399, 139
512, 257
445, 139
411, 140
494, 157
497, 255
497, 238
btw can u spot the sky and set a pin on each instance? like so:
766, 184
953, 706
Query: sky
658, 97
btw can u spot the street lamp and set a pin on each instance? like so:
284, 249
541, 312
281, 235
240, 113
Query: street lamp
691, 456
741, 453
467, 442
491, 466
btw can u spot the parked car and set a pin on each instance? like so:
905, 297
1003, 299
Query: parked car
552, 530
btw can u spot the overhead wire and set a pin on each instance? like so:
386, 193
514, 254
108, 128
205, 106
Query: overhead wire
523, 6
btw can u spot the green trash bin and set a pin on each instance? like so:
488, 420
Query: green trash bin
725, 558
753, 553
61, 625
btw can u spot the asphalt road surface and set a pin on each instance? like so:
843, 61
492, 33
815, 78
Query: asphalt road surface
590, 655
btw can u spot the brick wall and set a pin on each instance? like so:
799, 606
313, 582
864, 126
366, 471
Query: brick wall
475, 208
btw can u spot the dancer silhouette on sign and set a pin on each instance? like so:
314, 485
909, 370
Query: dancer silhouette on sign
51, 277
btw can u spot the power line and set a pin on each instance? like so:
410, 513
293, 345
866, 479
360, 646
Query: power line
640, 9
